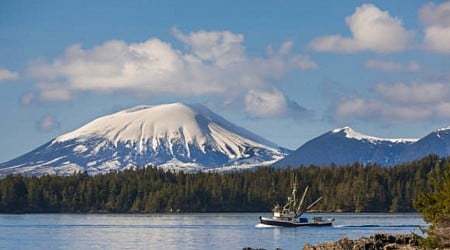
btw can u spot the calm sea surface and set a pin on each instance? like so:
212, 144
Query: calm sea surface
185, 231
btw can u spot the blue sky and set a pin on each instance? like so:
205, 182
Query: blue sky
286, 70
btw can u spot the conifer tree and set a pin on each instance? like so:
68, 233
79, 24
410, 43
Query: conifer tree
435, 208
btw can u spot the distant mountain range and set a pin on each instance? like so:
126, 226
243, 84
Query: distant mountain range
171, 136
193, 138
345, 146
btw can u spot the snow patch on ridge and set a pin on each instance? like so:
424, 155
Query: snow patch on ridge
350, 133
443, 129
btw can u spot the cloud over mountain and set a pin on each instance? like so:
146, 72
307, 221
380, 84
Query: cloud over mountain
211, 64
397, 102
372, 29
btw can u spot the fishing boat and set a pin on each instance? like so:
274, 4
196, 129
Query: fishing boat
290, 215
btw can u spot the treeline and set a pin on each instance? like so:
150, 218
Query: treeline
349, 188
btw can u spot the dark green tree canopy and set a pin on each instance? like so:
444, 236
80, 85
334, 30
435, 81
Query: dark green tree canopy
349, 188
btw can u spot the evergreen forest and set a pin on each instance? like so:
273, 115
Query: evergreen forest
348, 188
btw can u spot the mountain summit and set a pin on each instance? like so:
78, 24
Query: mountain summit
173, 136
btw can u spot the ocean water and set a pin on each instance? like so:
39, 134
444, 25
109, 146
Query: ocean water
186, 231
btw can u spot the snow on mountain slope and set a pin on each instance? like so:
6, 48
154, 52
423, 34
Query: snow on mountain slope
350, 133
173, 136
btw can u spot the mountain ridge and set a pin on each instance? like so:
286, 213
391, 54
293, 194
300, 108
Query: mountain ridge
193, 138
345, 146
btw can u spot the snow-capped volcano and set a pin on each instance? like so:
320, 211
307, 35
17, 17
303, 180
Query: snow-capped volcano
176, 136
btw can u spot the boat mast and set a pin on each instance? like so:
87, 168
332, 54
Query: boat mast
301, 201
292, 201
294, 192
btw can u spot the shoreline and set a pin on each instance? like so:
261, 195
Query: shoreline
376, 241
197, 212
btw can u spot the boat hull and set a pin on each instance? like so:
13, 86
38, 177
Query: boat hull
283, 223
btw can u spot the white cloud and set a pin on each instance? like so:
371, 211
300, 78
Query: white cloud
261, 103
413, 66
334, 43
431, 14
47, 123
443, 109
219, 47
27, 98
437, 39
398, 102
375, 110
54, 92
436, 21
390, 66
273, 103
303, 62
372, 29
413, 93
354, 107
211, 64
7, 75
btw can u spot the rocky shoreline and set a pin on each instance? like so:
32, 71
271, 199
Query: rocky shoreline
374, 242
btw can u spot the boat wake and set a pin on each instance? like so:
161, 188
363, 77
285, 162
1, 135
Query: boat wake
260, 225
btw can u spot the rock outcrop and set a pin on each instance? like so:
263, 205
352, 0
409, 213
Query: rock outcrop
374, 242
